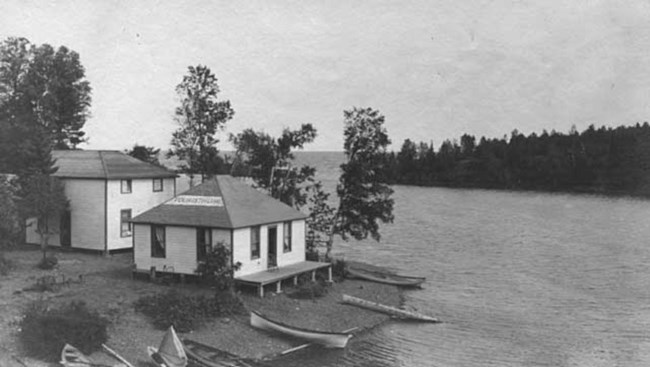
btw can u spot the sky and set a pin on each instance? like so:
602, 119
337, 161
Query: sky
436, 69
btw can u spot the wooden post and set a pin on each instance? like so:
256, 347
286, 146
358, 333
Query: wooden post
295, 280
329, 274
261, 286
278, 287
313, 275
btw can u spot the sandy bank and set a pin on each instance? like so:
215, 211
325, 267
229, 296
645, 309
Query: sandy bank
108, 287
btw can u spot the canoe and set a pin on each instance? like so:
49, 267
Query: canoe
170, 353
393, 311
72, 357
386, 278
213, 357
327, 339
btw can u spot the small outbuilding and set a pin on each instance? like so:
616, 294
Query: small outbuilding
263, 234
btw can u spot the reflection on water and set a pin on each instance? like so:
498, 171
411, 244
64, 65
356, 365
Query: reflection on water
518, 279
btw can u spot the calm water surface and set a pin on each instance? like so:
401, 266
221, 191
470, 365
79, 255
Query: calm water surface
518, 279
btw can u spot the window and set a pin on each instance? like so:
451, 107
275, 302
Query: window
255, 242
158, 241
157, 184
125, 224
286, 244
125, 186
203, 243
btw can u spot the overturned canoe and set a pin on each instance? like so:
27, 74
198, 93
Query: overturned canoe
393, 311
327, 339
213, 357
386, 278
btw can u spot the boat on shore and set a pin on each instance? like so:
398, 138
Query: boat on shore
392, 311
73, 357
324, 338
170, 353
386, 278
212, 357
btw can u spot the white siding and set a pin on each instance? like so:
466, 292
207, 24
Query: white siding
141, 198
87, 215
242, 251
242, 247
180, 254
297, 253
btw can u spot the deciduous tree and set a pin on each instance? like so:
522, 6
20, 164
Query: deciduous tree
145, 154
269, 162
200, 116
364, 197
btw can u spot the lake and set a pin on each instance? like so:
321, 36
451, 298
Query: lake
518, 279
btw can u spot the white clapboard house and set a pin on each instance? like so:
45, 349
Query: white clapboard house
263, 234
105, 189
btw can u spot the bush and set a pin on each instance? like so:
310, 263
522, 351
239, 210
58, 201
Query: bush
185, 312
6, 265
308, 290
48, 263
216, 270
44, 331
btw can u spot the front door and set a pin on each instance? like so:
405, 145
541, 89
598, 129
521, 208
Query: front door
64, 229
273, 247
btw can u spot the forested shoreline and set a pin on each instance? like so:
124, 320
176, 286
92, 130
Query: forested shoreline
605, 160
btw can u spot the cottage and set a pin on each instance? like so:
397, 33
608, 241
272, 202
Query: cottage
105, 189
266, 236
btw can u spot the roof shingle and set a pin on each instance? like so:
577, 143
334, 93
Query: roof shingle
106, 164
240, 206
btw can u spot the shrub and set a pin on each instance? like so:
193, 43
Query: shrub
308, 290
216, 269
185, 312
48, 263
6, 265
44, 331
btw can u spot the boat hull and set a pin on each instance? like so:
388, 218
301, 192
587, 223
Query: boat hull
393, 311
386, 278
327, 339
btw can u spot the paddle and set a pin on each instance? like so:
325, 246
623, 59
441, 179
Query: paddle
114, 354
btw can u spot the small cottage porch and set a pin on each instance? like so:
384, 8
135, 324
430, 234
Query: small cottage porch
277, 275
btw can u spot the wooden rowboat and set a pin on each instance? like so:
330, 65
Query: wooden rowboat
327, 339
212, 357
170, 353
386, 278
393, 311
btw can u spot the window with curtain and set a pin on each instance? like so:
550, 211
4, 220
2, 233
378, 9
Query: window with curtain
158, 241
286, 245
125, 225
125, 186
203, 243
255, 242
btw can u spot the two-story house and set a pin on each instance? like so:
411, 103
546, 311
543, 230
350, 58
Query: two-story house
105, 189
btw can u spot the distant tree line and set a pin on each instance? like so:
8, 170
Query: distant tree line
604, 160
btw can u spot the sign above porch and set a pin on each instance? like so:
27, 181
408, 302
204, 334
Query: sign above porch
191, 200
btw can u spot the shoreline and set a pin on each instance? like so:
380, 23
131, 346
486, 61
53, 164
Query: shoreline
108, 288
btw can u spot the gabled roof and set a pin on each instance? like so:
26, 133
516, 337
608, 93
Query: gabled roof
221, 202
106, 164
